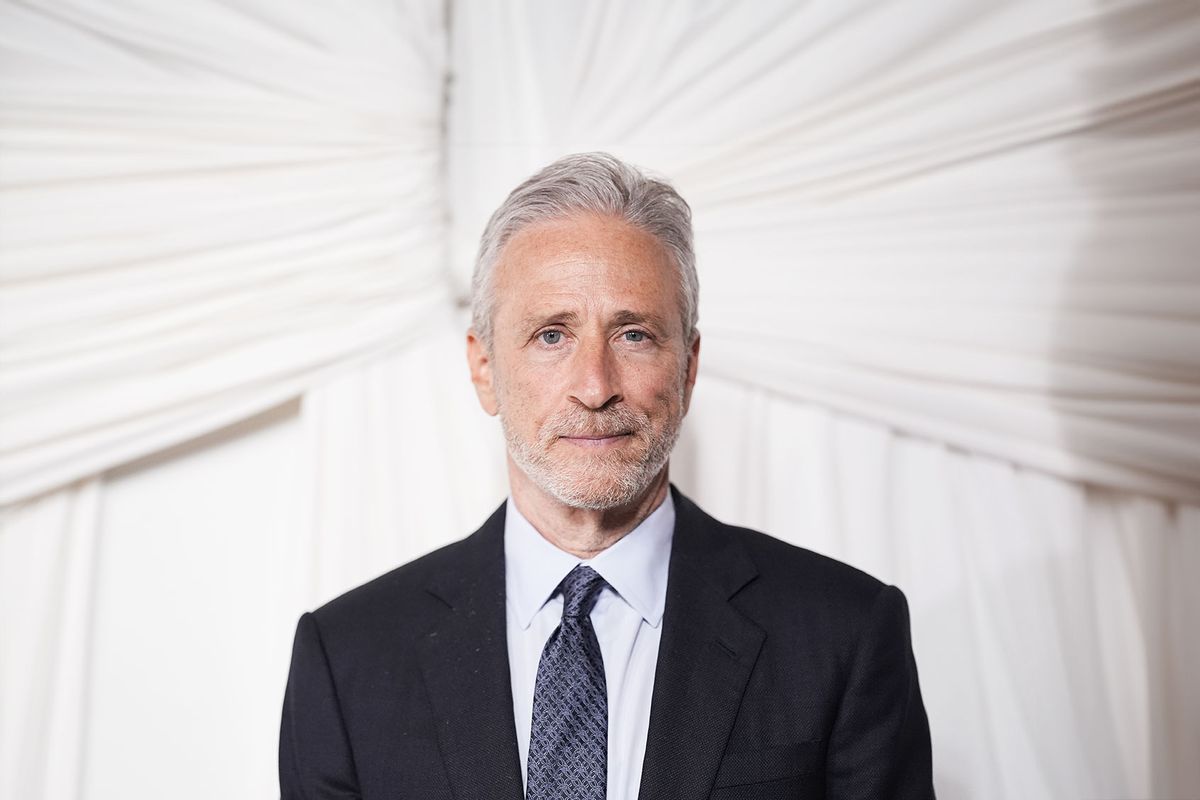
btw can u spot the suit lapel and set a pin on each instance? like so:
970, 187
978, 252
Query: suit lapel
464, 660
707, 652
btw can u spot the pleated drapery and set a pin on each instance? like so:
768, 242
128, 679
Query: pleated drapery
950, 317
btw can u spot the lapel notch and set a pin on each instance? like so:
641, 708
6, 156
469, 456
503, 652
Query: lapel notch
464, 662
705, 658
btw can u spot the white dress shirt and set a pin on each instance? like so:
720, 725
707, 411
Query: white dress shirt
627, 619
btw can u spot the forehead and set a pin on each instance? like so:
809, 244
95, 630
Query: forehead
589, 258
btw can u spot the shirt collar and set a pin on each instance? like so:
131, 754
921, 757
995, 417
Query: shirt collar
635, 567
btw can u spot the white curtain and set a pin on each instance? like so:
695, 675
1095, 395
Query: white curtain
951, 325
969, 221
205, 209
47, 564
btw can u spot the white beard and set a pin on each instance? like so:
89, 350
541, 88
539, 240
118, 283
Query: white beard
599, 481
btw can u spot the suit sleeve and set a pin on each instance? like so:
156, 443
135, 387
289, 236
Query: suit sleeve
880, 743
315, 759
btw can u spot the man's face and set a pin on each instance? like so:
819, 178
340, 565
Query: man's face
590, 369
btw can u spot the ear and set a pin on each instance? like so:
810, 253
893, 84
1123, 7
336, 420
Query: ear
480, 362
692, 365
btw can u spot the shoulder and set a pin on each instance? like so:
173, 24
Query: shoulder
786, 567
783, 585
392, 592
820, 592
404, 600
789, 569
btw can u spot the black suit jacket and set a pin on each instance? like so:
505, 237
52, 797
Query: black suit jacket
781, 674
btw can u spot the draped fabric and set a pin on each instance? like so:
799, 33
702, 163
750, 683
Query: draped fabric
203, 211
950, 318
47, 570
946, 232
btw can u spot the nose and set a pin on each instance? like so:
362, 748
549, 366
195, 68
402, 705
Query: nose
595, 381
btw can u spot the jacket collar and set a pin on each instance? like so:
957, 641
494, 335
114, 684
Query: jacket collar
707, 652
635, 567
705, 658
464, 661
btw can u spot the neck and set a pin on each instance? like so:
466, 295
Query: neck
582, 532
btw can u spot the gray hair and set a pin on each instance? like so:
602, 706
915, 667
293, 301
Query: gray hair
595, 183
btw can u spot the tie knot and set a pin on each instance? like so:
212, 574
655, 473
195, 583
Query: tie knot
580, 589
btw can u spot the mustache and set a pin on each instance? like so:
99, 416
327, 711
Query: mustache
578, 421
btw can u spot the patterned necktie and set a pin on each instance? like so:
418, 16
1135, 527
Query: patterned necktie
568, 743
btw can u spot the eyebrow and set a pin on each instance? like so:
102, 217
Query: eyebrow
623, 317
638, 318
554, 318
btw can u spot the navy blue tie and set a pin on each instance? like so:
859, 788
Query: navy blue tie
568, 743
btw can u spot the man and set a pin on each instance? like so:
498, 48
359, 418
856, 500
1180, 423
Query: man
600, 635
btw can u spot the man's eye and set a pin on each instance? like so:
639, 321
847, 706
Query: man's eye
635, 336
550, 337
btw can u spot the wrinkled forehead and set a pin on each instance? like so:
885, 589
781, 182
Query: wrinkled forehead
594, 261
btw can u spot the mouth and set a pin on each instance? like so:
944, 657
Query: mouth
600, 440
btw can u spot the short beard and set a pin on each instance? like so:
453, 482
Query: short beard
606, 480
